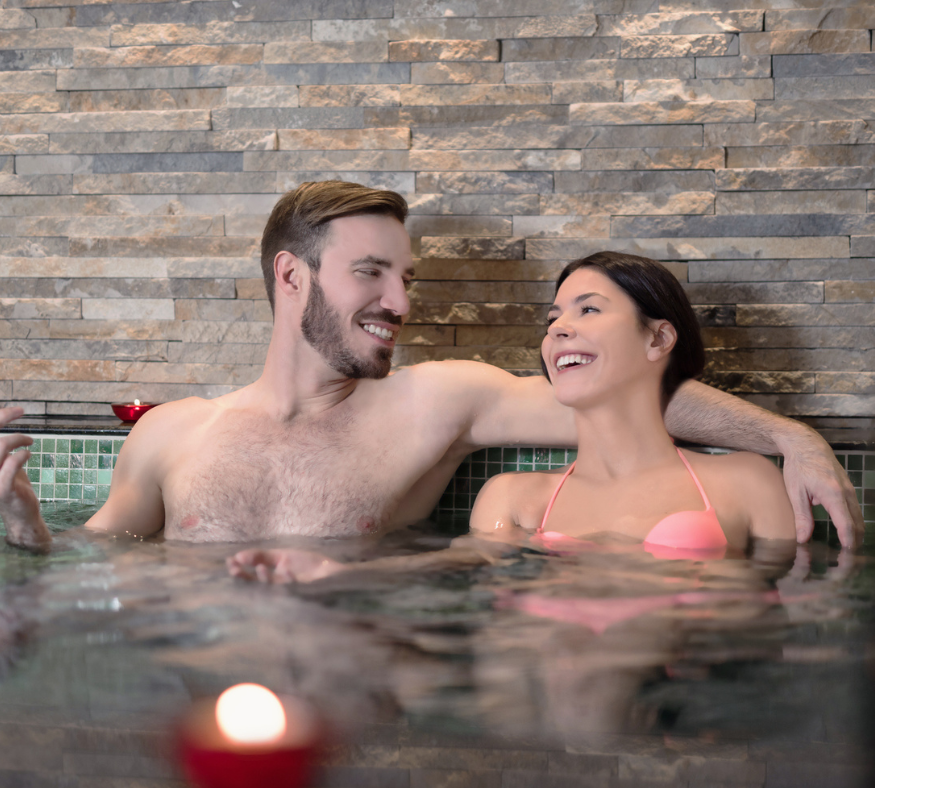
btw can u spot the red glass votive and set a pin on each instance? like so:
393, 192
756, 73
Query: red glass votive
211, 760
130, 411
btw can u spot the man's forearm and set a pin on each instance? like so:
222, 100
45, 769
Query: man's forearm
702, 414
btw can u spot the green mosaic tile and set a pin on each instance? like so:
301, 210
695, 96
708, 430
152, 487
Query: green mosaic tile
102, 493
476, 485
62, 445
48, 460
858, 494
75, 491
61, 460
104, 447
447, 501
868, 479
525, 455
870, 462
868, 513
91, 447
116, 446
76, 476
478, 470
494, 455
461, 501
76, 446
841, 459
61, 476
542, 455
105, 462
90, 461
541, 466
493, 469
510, 466
557, 456
46, 491
854, 462
89, 492
46, 475
75, 461
104, 477
48, 445
868, 496
819, 513
510, 455
856, 478
61, 491
89, 477
33, 475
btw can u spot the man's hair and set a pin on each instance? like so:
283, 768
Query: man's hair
300, 222
658, 296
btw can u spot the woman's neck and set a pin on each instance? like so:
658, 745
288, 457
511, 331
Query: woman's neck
623, 436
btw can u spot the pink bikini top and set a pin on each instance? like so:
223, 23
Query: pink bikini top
690, 534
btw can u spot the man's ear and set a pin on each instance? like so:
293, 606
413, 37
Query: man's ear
289, 274
663, 340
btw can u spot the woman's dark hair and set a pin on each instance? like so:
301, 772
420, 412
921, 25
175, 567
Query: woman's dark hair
658, 296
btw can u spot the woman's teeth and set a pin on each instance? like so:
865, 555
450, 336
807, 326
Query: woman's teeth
382, 333
573, 360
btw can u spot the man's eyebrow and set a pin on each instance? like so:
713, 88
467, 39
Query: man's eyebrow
579, 299
381, 262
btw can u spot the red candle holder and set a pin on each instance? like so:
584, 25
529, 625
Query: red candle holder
210, 759
131, 411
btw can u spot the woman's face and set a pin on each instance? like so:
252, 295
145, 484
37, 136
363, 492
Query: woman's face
595, 342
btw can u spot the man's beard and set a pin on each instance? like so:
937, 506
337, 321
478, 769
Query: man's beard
322, 328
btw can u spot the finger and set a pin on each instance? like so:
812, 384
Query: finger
10, 414
10, 465
14, 440
802, 512
844, 516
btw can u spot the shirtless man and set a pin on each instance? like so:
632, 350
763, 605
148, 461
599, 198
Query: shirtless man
328, 443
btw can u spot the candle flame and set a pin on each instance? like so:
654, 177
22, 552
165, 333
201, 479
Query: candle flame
137, 402
250, 714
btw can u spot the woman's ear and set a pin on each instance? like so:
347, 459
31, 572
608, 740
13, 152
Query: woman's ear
663, 341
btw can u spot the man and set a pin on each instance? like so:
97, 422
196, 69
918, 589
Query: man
327, 443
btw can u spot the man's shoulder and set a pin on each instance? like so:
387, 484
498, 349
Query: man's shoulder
170, 418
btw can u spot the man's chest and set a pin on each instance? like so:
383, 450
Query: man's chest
339, 478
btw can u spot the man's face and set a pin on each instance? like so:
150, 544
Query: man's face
357, 302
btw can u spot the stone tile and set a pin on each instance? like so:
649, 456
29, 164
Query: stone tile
818, 359
164, 142
554, 49
326, 52
676, 22
168, 162
810, 178
662, 112
211, 267
698, 90
489, 8
775, 224
860, 18
471, 758
488, 160
484, 182
298, 160
73, 391
780, 270
706, 45
805, 42
33, 102
69, 267
213, 354
469, 115
287, 117
27, 81
601, 70
177, 183
401, 182
79, 349
181, 120
500, 336
801, 156
827, 132
24, 143
854, 337
127, 309
136, 100
561, 226
739, 67
13, 18
338, 73
434, 95
761, 383
34, 184
450, 73
467, 226
427, 335
349, 95
586, 92
863, 245
755, 292
654, 158
454, 778
844, 383
30, 748
606, 181
116, 288
516, 137
54, 37
119, 225
32, 308
818, 775
650, 204
354, 777
465, 313
60, 369
787, 66
482, 248
517, 778
827, 87
835, 109
48, 165
850, 292
813, 202
482, 270
137, 57
36, 247
426, 292
214, 32
472, 204
806, 315
262, 96
871, 201
435, 51
691, 248
502, 357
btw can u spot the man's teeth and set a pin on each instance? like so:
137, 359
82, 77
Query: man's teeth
572, 360
383, 333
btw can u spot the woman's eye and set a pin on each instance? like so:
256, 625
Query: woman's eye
549, 320
587, 308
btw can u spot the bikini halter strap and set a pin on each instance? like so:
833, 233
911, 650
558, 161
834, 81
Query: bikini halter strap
695, 479
551, 501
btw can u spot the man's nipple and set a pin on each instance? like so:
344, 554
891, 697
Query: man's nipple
190, 522
366, 525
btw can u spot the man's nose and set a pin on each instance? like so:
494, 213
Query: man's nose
395, 299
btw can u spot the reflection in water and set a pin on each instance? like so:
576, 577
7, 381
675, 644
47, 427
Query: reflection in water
118, 632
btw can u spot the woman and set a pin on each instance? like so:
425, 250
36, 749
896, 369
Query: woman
621, 338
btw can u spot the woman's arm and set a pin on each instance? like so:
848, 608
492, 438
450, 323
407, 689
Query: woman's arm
759, 489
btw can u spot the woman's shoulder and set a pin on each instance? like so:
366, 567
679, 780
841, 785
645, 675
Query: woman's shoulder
518, 495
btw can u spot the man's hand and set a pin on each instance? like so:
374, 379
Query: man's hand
813, 476
282, 566
19, 506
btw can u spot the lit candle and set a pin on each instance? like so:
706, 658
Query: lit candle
249, 738
131, 411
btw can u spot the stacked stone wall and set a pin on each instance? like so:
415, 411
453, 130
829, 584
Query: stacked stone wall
144, 143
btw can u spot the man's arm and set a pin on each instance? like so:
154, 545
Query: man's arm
812, 475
